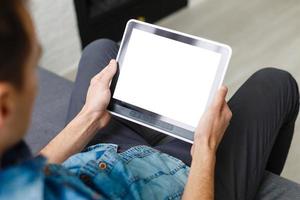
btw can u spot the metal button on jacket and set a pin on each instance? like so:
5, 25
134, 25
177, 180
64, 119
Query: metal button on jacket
102, 165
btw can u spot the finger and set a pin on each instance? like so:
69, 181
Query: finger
109, 72
103, 71
226, 112
225, 107
98, 76
192, 150
219, 99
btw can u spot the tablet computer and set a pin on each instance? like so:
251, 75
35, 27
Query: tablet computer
166, 79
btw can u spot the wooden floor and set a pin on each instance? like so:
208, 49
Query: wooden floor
262, 33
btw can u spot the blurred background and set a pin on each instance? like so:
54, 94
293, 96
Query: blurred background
262, 33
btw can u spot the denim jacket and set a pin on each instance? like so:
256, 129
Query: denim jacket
100, 172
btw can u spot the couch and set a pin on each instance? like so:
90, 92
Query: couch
49, 118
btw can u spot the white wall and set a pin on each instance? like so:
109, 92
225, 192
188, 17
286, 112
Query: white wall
56, 27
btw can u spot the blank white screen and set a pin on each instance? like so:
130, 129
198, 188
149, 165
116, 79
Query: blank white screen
167, 77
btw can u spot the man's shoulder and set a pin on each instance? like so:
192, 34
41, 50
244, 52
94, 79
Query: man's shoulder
35, 179
25, 180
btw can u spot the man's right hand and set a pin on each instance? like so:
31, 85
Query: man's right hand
213, 124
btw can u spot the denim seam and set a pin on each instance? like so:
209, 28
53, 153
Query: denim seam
137, 152
160, 173
104, 146
175, 195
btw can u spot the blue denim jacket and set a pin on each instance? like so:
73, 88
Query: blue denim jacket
98, 173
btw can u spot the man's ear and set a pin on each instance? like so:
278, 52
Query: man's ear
6, 102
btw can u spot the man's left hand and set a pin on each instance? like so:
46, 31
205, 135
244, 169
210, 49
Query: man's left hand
98, 95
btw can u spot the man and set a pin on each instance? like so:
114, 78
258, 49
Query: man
126, 163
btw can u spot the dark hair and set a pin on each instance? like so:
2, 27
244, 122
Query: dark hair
14, 42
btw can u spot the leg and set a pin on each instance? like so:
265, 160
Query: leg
280, 149
178, 149
151, 136
94, 58
264, 112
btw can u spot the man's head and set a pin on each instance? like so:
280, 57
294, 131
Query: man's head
19, 54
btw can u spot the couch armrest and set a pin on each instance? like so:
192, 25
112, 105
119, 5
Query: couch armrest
50, 109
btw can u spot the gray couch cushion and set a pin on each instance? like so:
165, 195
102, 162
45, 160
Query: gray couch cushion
49, 113
274, 187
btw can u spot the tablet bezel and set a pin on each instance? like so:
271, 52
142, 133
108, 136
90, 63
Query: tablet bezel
148, 118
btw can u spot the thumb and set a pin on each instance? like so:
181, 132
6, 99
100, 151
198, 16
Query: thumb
109, 72
220, 97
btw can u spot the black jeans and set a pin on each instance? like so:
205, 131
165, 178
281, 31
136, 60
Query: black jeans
258, 138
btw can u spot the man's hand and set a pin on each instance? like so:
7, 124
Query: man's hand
208, 135
213, 123
98, 95
93, 116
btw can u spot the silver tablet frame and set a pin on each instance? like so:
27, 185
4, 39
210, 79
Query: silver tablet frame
152, 120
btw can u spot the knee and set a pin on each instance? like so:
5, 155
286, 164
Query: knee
276, 75
99, 45
279, 79
273, 73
